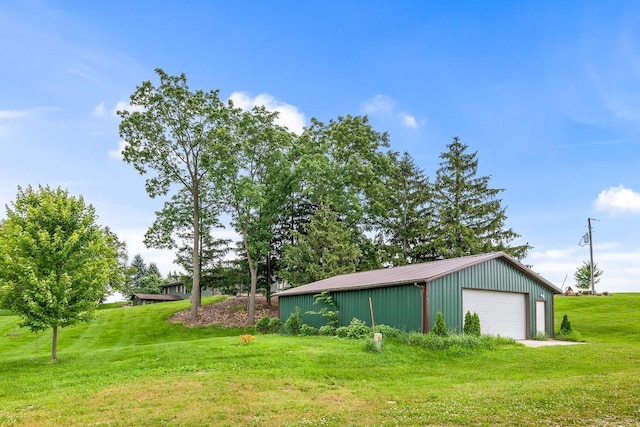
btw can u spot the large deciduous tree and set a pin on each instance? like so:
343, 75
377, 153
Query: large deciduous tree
176, 135
470, 218
254, 160
57, 262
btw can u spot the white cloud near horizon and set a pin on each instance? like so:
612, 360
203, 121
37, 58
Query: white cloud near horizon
619, 266
13, 114
288, 115
117, 153
618, 199
387, 106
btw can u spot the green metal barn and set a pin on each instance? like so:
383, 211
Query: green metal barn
510, 299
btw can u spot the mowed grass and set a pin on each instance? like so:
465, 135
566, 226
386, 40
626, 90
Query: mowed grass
131, 367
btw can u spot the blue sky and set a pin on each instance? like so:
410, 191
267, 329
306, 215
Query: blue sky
547, 93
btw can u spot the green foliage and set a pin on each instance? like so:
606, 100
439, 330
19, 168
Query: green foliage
262, 325
327, 330
389, 332
566, 331
540, 336
275, 325
324, 248
342, 332
471, 324
357, 329
329, 308
293, 324
466, 329
469, 217
57, 263
570, 336
440, 328
307, 330
179, 138
582, 276
565, 327
404, 229
370, 346
456, 344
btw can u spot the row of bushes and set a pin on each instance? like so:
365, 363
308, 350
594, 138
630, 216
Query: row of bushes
357, 329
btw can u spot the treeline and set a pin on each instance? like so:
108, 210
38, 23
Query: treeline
332, 200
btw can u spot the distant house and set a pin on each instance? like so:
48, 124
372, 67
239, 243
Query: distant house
144, 299
569, 291
179, 289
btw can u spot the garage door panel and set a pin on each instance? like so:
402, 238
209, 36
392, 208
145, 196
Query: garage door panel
500, 313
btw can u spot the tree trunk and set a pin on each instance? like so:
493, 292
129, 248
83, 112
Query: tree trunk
253, 270
195, 290
251, 312
54, 345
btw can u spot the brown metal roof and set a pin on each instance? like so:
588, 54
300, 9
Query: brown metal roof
158, 297
414, 273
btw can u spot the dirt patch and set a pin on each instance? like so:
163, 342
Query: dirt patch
231, 312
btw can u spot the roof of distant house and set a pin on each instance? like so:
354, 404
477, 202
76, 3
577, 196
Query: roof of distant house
158, 297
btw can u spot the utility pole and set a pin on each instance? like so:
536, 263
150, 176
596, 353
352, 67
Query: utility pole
593, 287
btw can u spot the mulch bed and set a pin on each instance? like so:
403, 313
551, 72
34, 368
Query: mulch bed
231, 312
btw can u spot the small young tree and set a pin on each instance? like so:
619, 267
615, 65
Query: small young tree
582, 275
468, 320
57, 263
440, 328
471, 324
565, 327
328, 310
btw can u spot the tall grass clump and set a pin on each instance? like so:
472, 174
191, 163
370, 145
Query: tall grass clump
456, 344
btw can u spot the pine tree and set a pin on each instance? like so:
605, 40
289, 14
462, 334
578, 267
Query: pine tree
470, 218
324, 249
582, 275
404, 228
565, 327
440, 328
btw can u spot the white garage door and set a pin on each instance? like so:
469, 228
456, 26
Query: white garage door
501, 313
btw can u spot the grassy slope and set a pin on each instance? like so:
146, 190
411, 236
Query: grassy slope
130, 367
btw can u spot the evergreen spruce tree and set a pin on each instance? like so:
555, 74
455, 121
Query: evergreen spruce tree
324, 249
475, 322
565, 327
469, 217
468, 323
404, 228
440, 328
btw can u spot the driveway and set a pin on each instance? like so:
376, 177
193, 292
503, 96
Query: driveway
537, 343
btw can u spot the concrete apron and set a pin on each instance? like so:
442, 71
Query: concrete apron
536, 343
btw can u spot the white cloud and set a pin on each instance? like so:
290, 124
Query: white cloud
408, 120
619, 266
288, 115
386, 106
125, 106
618, 199
13, 114
99, 110
117, 153
379, 104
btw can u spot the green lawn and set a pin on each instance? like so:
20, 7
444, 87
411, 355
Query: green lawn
131, 367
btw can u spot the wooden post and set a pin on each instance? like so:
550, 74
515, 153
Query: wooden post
373, 323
